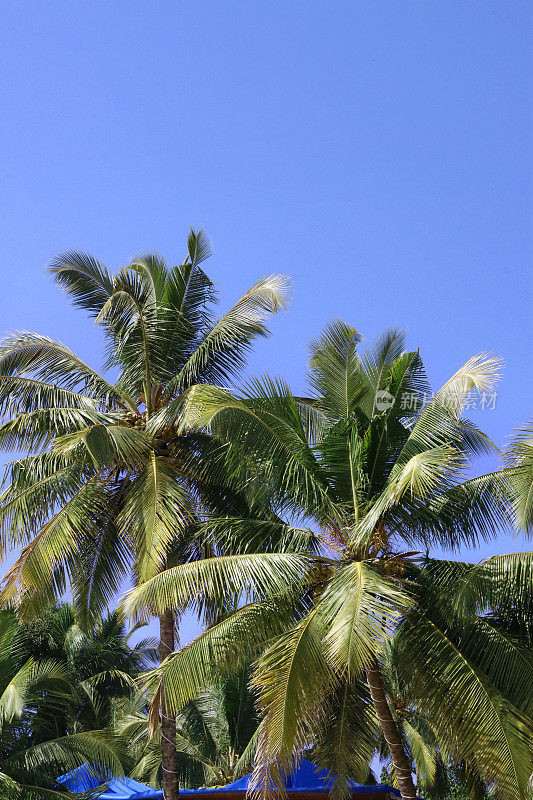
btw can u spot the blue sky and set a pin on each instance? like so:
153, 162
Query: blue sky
378, 152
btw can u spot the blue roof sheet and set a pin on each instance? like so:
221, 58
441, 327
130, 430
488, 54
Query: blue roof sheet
306, 778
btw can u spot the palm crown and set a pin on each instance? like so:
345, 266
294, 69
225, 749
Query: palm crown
382, 482
102, 488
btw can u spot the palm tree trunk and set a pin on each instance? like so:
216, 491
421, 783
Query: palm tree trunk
168, 722
399, 758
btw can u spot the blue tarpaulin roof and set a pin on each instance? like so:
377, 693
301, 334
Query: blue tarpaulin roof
83, 779
307, 778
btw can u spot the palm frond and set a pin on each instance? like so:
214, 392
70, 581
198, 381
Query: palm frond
156, 512
519, 459
26, 353
359, 610
36, 569
292, 678
32, 674
468, 713
221, 354
347, 739
251, 576
84, 279
225, 646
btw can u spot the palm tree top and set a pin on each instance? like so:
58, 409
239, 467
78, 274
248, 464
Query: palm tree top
105, 485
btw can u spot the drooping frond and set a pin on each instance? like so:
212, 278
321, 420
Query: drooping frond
503, 582
469, 714
252, 575
346, 740
21, 395
156, 512
222, 352
359, 611
38, 485
44, 359
292, 678
424, 755
35, 570
106, 445
58, 756
84, 279
519, 459
230, 644
32, 675
36, 430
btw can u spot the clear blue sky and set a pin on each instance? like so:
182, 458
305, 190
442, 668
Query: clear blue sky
379, 152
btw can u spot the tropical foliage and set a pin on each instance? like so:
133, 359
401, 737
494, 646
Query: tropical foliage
215, 736
383, 476
102, 493
56, 683
315, 537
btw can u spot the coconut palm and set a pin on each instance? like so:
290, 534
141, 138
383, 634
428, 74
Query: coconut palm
379, 467
36, 697
216, 735
100, 493
101, 664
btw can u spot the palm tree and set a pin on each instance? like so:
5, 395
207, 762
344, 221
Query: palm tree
101, 492
379, 467
37, 696
216, 735
101, 664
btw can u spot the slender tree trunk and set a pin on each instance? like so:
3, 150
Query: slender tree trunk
168, 723
399, 759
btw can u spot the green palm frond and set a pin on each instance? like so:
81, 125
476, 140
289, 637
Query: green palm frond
292, 678
273, 422
336, 373
20, 395
498, 582
474, 510
250, 575
188, 289
32, 674
56, 543
227, 645
53, 362
468, 712
38, 429
38, 485
98, 569
423, 753
440, 422
156, 510
222, 352
83, 278
346, 741
519, 459
58, 756
359, 609
249, 534
106, 445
